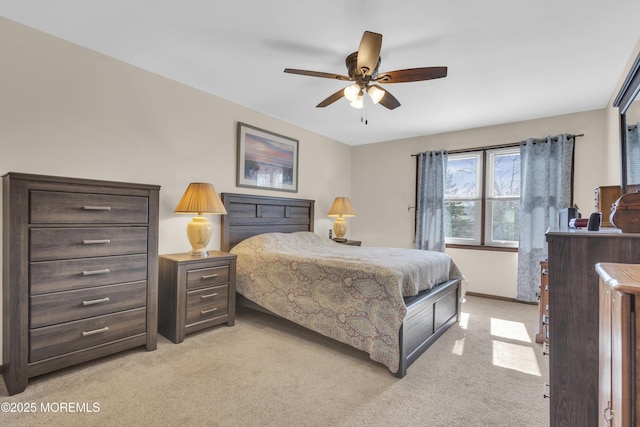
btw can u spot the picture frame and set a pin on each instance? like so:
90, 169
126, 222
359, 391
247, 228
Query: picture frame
266, 160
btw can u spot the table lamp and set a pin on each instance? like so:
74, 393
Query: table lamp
340, 209
200, 198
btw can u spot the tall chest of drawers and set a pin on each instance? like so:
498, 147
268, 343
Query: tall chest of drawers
80, 272
574, 306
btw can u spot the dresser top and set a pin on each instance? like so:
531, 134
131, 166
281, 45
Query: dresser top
187, 257
624, 278
67, 180
583, 232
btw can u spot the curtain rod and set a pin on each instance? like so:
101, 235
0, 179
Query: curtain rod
493, 147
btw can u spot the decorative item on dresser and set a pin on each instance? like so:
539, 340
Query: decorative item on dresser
605, 197
195, 293
79, 272
619, 344
573, 313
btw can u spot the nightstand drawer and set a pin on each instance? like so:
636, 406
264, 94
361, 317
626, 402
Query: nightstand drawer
60, 307
65, 243
67, 275
206, 312
52, 341
207, 276
53, 207
207, 296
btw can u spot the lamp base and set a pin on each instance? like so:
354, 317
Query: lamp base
339, 239
340, 229
199, 253
199, 232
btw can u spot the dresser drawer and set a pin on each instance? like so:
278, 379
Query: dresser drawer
206, 312
207, 296
53, 207
67, 243
67, 275
52, 341
207, 276
60, 307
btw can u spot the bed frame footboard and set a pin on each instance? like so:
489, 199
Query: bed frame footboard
429, 315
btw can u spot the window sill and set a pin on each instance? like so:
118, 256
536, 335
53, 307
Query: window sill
482, 248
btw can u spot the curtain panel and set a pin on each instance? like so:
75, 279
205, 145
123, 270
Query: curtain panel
633, 154
432, 167
546, 171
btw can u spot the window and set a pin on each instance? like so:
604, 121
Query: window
482, 198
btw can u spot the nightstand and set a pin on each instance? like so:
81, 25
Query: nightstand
350, 242
195, 293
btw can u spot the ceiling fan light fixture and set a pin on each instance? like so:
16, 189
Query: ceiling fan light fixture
376, 94
358, 102
351, 92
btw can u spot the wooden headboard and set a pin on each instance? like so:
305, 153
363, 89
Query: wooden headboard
248, 215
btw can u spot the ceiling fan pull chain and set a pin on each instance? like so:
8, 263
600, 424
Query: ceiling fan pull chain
363, 113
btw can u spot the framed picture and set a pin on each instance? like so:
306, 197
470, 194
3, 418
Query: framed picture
266, 160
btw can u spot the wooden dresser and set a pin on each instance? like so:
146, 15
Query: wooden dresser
619, 344
574, 318
80, 267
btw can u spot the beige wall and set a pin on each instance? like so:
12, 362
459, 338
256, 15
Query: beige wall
68, 111
383, 186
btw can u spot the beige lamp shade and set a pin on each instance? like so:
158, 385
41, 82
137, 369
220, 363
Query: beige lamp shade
340, 209
200, 198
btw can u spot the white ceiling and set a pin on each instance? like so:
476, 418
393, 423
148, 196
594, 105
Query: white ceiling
508, 60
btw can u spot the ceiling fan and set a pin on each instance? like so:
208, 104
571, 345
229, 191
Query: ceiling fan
363, 71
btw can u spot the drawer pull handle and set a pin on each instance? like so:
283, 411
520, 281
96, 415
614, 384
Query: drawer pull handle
208, 296
545, 393
208, 276
205, 312
94, 272
96, 301
96, 208
96, 242
95, 331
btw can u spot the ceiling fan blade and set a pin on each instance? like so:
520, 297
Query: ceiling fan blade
369, 52
389, 101
316, 74
331, 99
412, 75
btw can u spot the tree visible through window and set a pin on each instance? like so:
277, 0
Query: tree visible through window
482, 198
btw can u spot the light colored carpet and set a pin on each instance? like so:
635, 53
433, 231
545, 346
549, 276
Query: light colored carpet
485, 371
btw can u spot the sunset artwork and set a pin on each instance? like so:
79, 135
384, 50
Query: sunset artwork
267, 160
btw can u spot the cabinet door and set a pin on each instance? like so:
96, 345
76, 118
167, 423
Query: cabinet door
621, 355
604, 398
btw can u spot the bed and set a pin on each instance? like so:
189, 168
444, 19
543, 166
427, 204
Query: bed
378, 300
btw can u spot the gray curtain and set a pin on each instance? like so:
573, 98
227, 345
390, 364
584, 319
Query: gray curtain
432, 167
633, 154
546, 169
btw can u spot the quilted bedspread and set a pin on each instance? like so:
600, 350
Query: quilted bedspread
351, 294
